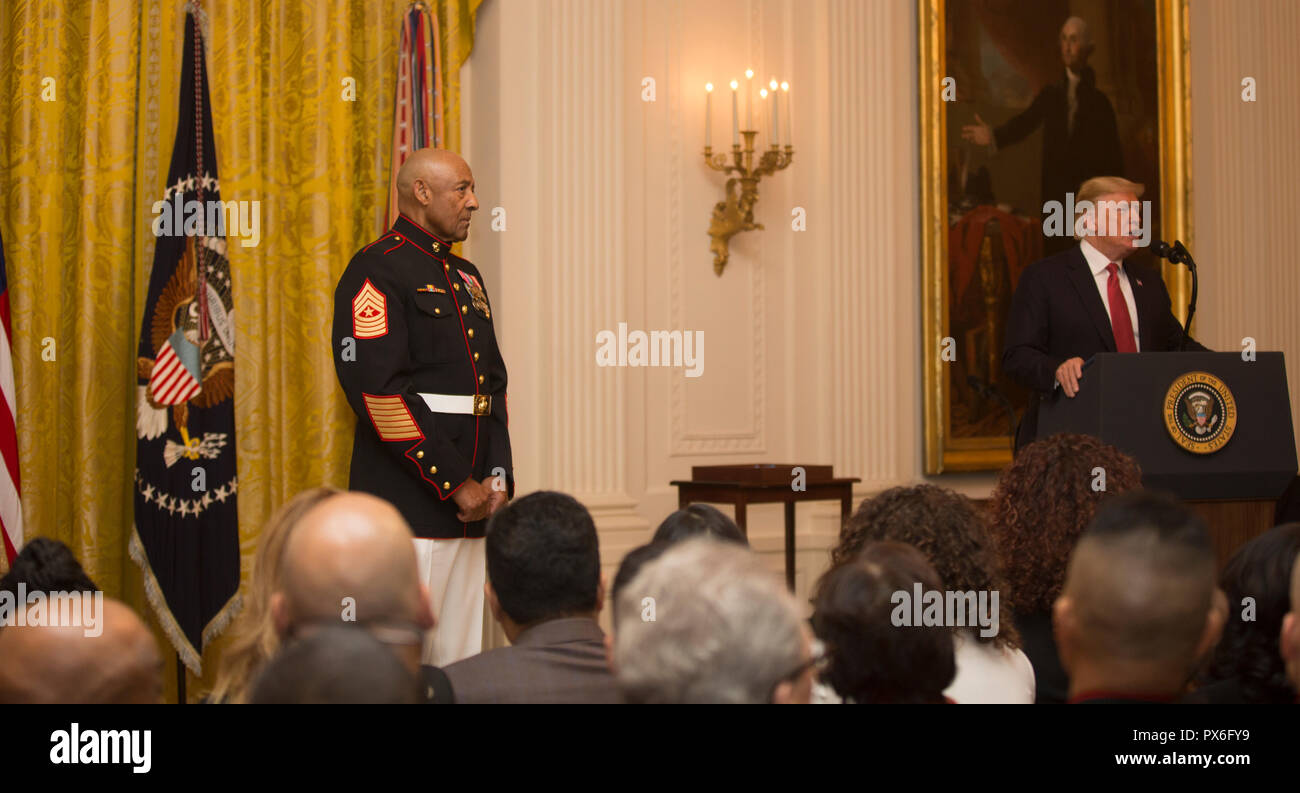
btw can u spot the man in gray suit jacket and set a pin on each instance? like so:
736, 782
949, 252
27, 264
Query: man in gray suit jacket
546, 590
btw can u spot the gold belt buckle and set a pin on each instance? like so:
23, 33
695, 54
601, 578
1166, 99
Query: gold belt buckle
482, 404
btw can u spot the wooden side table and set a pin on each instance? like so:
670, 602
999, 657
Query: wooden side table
741, 486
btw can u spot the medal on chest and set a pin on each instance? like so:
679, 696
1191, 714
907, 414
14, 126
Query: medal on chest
478, 299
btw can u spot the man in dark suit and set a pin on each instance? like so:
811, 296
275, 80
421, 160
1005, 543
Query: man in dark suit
1080, 136
546, 590
1064, 310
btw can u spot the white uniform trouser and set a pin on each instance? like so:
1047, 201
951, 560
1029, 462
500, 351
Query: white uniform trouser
454, 572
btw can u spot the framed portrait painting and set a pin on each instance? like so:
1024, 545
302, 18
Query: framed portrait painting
1020, 102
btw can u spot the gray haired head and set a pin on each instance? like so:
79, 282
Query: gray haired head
719, 627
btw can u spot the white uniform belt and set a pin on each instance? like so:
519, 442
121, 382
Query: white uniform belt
472, 405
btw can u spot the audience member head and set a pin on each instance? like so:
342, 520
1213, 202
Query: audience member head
1290, 643
254, 638
699, 520
46, 565
943, 525
335, 665
1040, 506
435, 189
543, 562
707, 622
117, 664
1248, 652
870, 660
632, 563
351, 559
1139, 609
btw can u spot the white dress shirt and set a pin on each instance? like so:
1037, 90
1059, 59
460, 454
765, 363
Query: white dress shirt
1097, 262
988, 674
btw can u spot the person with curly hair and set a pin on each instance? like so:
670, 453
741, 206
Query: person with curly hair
1247, 666
870, 660
1037, 512
949, 529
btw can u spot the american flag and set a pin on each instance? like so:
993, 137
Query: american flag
11, 507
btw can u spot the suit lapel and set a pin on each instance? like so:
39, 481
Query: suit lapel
1086, 287
1137, 281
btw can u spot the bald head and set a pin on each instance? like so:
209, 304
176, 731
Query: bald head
350, 546
435, 188
44, 664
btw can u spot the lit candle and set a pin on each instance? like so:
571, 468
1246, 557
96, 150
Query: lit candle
789, 138
775, 100
749, 99
708, 115
735, 115
762, 97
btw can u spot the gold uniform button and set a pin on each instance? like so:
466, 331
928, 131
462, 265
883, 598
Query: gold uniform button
470, 332
433, 469
480, 378
476, 356
464, 309
446, 485
456, 287
437, 310
446, 266
436, 247
419, 455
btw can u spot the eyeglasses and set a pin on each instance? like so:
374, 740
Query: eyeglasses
819, 660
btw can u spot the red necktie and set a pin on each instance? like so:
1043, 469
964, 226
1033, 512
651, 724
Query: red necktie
1120, 324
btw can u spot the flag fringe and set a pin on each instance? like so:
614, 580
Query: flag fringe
188, 655
223, 618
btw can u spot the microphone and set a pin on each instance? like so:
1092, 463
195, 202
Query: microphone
1176, 253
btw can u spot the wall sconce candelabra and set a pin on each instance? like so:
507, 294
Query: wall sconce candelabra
735, 213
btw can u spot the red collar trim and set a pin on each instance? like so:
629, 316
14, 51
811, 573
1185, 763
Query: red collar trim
1083, 696
428, 238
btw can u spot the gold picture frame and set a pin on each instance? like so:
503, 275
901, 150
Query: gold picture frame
945, 453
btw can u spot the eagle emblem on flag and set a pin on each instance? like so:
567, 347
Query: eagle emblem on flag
188, 368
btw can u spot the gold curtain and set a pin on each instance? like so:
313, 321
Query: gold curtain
77, 178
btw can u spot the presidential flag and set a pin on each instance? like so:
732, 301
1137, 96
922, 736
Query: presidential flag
11, 506
186, 536
417, 112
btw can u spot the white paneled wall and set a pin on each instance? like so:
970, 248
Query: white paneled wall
1246, 176
813, 349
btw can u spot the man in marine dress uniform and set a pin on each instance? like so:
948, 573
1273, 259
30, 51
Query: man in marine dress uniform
417, 356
